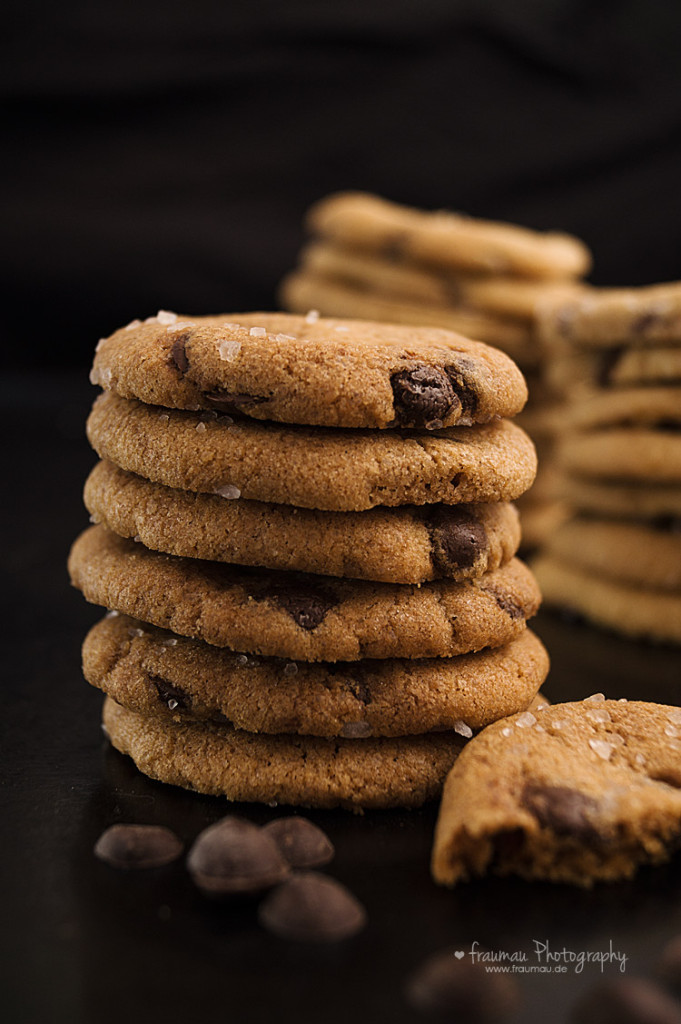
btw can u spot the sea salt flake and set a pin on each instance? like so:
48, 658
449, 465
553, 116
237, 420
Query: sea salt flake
102, 341
342, 328
181, 325
640, 760
601, 748
507, 731
164, 316
164, 417
201, 427
434, 424
257, 332
132, 325
241, 659
229, 491
526, 720
675, 716
172, 704
112, 614
290, 669
137, 539
671, 730
595, 697
285, 337
312, 316
462, 729
228, 349
136, 632
94, 376
600, 715
170, 641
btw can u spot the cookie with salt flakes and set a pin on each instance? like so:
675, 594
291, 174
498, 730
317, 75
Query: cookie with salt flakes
400, 545
154, 672
298, 616
575, 793
308, 370
326, 469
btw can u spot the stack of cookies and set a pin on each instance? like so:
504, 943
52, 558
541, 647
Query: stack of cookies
305, 537
373, 259
616, 355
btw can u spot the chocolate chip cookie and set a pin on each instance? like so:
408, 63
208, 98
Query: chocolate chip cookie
302, 617
308, 771
575, 793
607, 317
154, 672
307, 370
442, 239
334, 470
401, 545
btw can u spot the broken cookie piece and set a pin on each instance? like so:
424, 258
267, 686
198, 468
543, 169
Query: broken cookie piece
575, 793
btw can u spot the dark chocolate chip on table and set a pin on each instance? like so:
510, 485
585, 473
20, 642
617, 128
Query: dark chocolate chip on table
235, 857
627, 1001
311, 907
138, 846
300, 842
449, 985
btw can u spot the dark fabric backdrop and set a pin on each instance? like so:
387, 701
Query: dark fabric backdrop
163, 153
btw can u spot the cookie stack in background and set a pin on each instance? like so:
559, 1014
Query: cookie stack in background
374, 259
305, 540
616, 356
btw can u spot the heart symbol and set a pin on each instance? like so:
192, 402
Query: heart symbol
459, 954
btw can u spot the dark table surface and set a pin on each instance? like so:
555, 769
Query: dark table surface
84, 943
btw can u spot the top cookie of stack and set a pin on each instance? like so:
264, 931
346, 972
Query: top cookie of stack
373, 258
277, 442
616, 356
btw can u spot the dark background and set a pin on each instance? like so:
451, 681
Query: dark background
162, 154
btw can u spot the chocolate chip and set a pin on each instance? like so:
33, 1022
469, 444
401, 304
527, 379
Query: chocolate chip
460, 375
307, 605
359, 689
564, 810
627, 1001
449, 984
422, 396
235, 857
457, 537
171, 695
505, 602
178, 352
310, 907
300, 842
643, 323
228, 401
393, 247
138, 846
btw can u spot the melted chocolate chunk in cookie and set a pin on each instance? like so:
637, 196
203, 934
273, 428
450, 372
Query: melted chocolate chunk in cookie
566, 811
229, 401
457, 538
307, 604
171, 695
178, 352
422, 396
